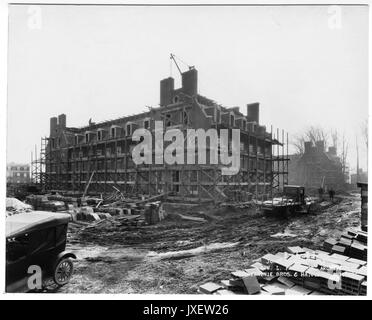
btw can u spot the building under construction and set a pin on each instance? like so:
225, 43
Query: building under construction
97, 158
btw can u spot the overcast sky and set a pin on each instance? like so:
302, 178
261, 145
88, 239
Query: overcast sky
303, 64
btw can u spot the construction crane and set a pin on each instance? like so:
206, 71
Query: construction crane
173, 57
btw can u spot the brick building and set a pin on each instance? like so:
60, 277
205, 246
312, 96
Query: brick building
316, 167
17, 173
101, 152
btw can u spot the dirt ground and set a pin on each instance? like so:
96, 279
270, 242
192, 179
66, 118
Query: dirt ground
177, 255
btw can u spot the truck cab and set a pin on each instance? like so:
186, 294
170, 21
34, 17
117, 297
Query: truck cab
296, 193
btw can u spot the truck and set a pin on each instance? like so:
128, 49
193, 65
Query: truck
292, 201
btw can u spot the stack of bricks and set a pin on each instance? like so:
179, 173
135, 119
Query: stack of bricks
300, 271
352, 244
364, 213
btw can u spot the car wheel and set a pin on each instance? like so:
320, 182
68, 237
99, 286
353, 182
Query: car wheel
63, 271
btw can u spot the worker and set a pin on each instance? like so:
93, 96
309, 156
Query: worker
331, 193
321, 192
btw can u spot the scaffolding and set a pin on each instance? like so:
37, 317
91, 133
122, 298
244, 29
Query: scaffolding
280, 161
38, 165
262, 175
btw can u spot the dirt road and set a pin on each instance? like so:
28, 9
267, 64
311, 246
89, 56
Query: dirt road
178, 254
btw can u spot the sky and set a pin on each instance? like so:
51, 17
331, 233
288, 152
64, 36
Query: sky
306, 65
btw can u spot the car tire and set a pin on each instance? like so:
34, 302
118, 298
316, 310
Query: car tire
63, 271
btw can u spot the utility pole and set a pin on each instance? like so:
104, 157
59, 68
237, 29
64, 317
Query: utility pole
357, 153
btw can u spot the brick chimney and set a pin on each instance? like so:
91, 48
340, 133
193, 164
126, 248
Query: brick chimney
190, 82
308, 145
253, 112
62, 121
166, 91
320, 145
53, 125
332, 151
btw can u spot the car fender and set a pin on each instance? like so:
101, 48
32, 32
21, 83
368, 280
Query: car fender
65, 254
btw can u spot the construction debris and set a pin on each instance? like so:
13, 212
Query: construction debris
43, 203
91, 209
300, 271
14, 206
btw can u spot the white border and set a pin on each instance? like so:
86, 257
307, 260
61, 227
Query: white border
3, 104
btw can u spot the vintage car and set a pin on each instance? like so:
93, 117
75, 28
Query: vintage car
36, 241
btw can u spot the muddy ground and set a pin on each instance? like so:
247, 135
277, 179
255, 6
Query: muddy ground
178, 255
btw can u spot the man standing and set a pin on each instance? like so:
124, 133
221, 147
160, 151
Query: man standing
321, 192
331, 193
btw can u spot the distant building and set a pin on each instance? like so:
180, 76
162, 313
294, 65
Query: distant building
316, 167
17, 173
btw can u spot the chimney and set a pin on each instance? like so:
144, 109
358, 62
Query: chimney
332, 151
235, 109
253, 112
320, 145
308, 146
190, 82
53, 125
166, 91
62, 121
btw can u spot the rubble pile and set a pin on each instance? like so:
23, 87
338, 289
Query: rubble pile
91, 209
299, 271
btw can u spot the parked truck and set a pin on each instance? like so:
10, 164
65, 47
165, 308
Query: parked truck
292, 201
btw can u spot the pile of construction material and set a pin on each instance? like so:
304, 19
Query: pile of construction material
150, 208
352, 244
154, 212
238, 205
43, 203
65, 199
116, 222
90, 209
300, 271
151, 213
14, 206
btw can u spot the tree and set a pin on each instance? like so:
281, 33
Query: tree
365, 135
312, 134
299, 144
334, 136
344, 153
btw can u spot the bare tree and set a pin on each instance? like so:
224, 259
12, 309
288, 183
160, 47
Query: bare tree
334, 136
315, 134
344, 153
312, 134
365, 132
299, 144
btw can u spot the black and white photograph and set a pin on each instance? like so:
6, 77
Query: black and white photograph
202, 150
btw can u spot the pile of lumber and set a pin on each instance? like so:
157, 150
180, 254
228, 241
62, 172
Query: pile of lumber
237, 205
352, 244
152, 212
299, 271
114, 223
